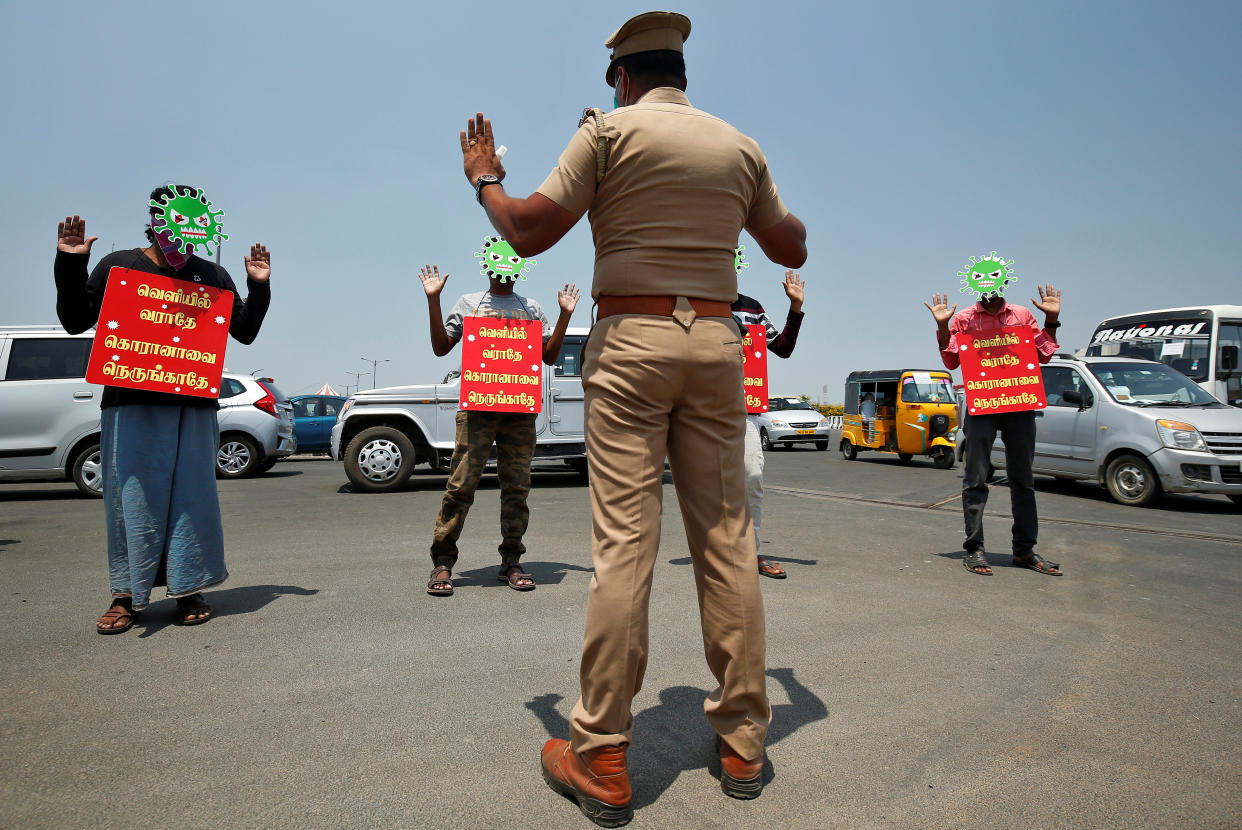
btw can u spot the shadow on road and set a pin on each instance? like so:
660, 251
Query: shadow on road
544, 573
4, 543
685, 560
662, 750
426, 480
66, 493
226, 603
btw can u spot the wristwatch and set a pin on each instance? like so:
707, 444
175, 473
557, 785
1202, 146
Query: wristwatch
482, 182
1055, 325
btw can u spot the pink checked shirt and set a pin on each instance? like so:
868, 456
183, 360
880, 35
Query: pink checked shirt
976, 319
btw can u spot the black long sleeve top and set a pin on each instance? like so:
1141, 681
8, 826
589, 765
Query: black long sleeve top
748, 311
78, 298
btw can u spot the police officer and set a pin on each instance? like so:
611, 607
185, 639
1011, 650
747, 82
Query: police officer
668, 189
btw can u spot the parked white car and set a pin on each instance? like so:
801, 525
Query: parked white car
50, 425
792, 420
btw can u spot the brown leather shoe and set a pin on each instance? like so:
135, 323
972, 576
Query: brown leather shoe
597, 780
739, 778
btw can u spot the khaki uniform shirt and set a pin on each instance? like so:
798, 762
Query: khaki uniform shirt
680, 186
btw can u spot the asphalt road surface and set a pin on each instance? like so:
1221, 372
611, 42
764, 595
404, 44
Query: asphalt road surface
331, 691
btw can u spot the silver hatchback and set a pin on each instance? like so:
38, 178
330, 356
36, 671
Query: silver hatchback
1137, 427
50, 424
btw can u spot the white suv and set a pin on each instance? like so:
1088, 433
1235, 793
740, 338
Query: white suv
50, 424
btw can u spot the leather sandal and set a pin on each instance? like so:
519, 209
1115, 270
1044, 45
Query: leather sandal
440, 587
1037, 563
120, 611
974, 561
516, 578
189, 608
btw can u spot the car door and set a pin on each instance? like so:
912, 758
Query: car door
45, 401
1065, 436
565, 402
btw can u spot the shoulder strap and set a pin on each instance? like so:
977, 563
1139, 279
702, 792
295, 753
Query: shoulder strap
601, 141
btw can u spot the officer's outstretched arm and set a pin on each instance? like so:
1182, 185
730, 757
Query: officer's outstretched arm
531, 225
785, 242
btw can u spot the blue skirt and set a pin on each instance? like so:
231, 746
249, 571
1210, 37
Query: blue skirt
163, 513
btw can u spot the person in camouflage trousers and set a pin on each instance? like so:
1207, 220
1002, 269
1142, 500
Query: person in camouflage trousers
514, 436
513, 433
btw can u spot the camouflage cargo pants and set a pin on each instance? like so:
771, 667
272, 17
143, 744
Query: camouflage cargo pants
513, 433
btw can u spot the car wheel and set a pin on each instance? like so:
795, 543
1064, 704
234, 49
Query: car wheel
905, 457
848, 451
821, 445
237, 457
379, 459
87, 471
764, 441
1131, 481
943, 459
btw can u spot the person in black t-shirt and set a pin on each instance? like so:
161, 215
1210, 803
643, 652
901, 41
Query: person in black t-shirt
157, 450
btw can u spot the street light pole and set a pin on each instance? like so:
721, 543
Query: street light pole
357, 375
373, 363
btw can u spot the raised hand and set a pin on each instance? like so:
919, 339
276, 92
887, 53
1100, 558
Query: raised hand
940, 309
794, 290
433, 283
71, 236
259, 263
567, 297
478, 150
1049, 301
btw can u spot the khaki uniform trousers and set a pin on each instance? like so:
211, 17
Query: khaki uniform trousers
655, 387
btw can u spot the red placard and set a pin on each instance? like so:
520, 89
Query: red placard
160, 334
1000, 370
755, 368
501, 365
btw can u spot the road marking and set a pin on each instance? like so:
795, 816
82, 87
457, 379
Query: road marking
822, 495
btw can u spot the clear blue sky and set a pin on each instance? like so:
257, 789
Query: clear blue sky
1095, 143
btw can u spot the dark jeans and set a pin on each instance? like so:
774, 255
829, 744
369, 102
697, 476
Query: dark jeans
1017, 430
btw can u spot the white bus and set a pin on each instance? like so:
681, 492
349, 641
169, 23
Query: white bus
1201, 342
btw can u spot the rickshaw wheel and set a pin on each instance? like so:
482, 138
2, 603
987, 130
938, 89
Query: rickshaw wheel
848, 451
943, 459
905, 457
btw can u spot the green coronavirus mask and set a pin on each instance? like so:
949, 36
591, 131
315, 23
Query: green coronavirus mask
187, 217
501, 262
987, 276
739, 259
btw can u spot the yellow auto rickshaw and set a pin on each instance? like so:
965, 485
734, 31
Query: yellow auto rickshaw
905, 411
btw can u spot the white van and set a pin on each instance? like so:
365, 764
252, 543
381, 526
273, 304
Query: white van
1201, 342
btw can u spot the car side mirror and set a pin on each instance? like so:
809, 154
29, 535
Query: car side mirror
1228, 359
1075, 397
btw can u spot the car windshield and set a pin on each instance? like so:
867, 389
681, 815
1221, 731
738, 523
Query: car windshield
926, 390
781, 404
1150, 384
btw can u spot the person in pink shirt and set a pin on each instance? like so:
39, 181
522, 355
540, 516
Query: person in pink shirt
1017, 429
